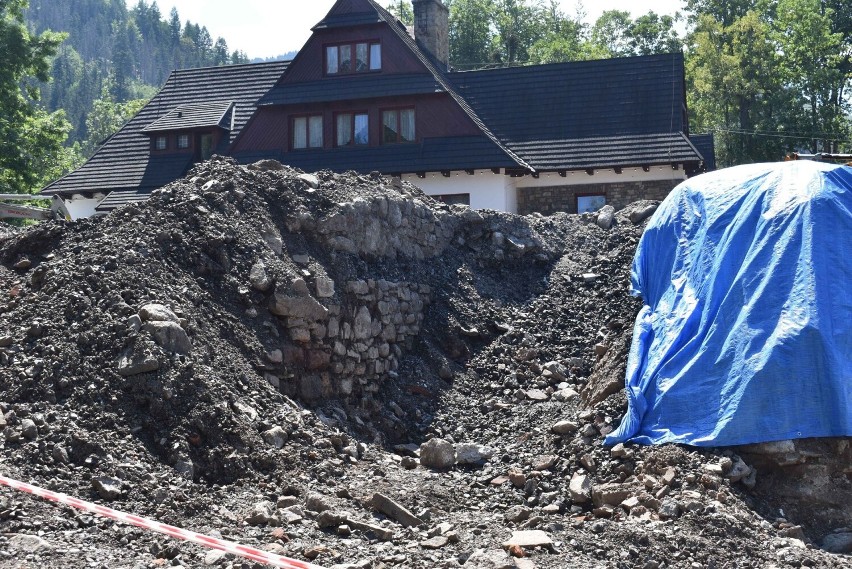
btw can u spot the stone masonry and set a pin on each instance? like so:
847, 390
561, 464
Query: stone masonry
552, 199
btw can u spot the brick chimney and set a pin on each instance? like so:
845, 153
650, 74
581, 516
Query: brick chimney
431, 29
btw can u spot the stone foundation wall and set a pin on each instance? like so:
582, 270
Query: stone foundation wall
552, 199
345, 342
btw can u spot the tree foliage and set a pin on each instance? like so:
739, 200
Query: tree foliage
30, 138
129, 51
770, 77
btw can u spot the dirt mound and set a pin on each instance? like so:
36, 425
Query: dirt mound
256, 352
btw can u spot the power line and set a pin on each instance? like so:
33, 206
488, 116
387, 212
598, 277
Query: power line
815, 136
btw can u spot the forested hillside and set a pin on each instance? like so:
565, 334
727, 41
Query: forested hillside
116, 56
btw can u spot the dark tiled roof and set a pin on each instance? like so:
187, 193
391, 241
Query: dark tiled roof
432, 154
117, 199
193, 115
705, 144
346, 20
552, 115
124, 161
608, 151
345, 88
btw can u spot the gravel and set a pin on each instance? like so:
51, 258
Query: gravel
259, 355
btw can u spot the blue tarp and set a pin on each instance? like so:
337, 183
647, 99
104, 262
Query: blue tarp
746, 332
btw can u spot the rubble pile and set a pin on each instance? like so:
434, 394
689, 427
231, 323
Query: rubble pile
339, 370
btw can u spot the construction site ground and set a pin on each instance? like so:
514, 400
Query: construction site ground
338, 370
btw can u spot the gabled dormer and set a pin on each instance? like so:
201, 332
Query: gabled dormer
194, 128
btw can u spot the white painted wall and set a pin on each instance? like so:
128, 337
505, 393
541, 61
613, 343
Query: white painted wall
602, 177
80, 206
500, 192
487, 190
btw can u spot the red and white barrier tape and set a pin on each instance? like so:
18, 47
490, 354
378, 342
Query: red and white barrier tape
172, 531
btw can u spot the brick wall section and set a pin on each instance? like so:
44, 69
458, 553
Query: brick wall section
552, 199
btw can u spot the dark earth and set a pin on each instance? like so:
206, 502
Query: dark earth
258, 354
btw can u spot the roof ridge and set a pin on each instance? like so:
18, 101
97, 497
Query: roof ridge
427, 61
233, 66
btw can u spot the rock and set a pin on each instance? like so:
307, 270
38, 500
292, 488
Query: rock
537, 395
276, 436
134, 323
437, 453
580, 488
317, 503
544, 462
619, 451
29, 429
261, 513
518, 513
566, 394
23, 264
471, 453
394, 510
739, 470
325, 287
838, 542
155, 312
303, 307
311, 180
493, 559
612, 494
606, 215
131, 363
29, 544
436, 542
669, 509
529, 539
170, 336
185, 468
107, 488
642, 213
258, 278
217, 557
564, 427
363, 325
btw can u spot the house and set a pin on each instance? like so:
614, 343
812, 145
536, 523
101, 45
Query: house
365, 94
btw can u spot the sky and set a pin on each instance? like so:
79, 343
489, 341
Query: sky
266, 28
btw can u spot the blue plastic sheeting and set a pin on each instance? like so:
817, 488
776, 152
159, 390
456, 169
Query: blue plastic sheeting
746, 332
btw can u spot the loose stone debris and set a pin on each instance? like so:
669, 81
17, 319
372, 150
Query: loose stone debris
336, 370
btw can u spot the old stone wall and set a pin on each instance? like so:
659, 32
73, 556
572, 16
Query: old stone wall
347, 340
552, 199
385, 227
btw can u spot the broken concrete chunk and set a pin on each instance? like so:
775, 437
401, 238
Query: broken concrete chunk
472, 453
580, 488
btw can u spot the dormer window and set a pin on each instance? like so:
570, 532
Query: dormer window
161, 143
353, 58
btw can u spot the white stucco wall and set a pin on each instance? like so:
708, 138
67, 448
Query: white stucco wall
80, 207
602, 177
487, 190
497, 191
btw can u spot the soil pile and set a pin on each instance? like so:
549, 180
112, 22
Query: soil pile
259, 353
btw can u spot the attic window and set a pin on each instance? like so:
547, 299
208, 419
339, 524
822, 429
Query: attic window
353, 58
